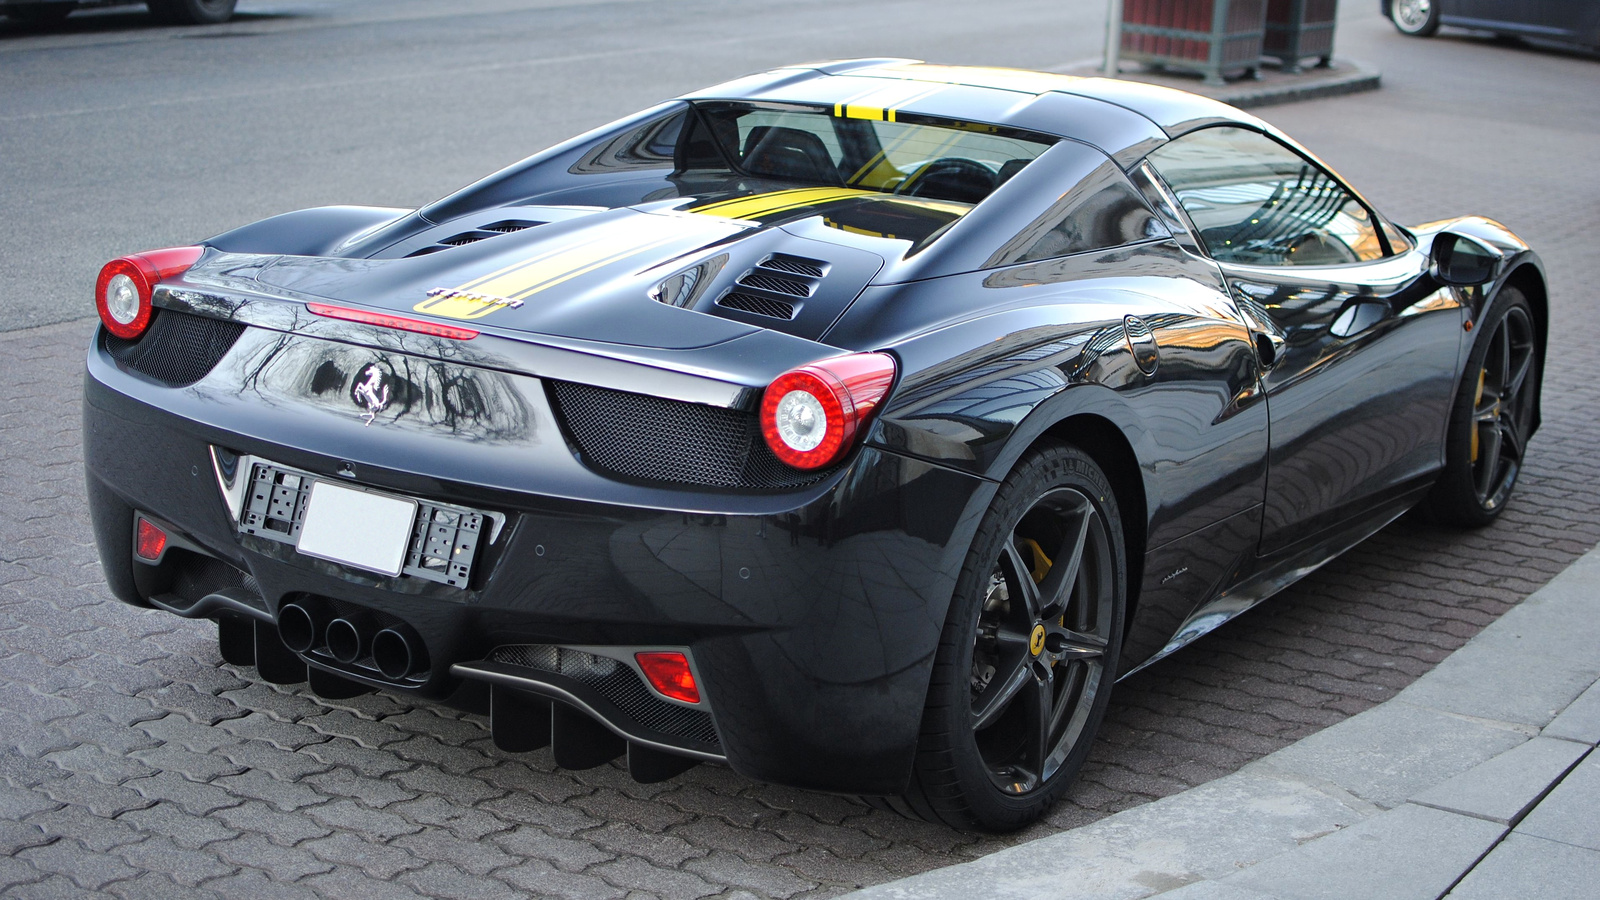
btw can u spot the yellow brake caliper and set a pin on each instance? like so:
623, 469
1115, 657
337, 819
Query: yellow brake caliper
1041, 563
1482, 374
1041, 568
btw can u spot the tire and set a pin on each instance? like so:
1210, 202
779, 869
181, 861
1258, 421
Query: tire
40, 13
1492, 418
1417, 18
1003, 667
192, 12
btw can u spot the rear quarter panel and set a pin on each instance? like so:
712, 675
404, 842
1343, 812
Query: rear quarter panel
993, 361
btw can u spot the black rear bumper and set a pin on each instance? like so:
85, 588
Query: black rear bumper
811, 616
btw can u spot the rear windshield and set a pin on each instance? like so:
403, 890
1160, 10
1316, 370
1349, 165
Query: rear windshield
934, 160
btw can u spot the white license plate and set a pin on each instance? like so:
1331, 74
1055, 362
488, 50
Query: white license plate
358, 528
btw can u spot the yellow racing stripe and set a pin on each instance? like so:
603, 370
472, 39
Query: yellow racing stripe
976, 76
883, 103
527, 277
759, 205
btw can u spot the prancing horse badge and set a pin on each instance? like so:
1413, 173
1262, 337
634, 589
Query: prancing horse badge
370, 393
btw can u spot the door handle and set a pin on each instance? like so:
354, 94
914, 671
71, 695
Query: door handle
1269, 349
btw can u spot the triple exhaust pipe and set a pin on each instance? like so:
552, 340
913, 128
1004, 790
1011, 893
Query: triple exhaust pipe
396, 651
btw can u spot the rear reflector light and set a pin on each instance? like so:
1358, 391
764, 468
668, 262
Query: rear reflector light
124, 289
810, 416
384, 320
669, 673
149, 541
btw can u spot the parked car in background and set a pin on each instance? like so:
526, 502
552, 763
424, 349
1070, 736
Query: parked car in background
1573, 21
176, 12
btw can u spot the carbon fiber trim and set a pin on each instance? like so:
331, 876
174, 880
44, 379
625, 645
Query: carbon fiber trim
619, 684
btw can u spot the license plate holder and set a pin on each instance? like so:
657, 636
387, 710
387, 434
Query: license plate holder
363, 529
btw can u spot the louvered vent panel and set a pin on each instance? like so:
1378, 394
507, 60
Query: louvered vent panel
797, 265
777, 284
466, 237
495, 229
510, 225
771, 307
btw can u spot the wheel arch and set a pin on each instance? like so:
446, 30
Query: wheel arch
1096, 420
1527, 278
1113, 453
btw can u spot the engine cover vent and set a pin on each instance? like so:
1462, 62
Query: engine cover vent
795, 265
776, 286
770, 307
510, 225
466, 237
495, 229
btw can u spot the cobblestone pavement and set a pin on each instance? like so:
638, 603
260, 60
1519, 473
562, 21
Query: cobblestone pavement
136, 764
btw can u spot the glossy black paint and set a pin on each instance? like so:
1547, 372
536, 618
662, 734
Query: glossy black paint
812, 613
766, 589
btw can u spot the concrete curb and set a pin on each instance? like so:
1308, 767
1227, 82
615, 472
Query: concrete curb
1400, 801
1345, 76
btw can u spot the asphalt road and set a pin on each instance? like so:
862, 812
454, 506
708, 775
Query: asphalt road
134, 763
118, 135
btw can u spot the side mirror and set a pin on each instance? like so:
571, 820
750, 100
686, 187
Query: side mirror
1463, 261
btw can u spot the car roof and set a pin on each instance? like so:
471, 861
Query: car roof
1124, 119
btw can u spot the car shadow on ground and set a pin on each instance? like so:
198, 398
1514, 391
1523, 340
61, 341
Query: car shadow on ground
133, 19
1519, 44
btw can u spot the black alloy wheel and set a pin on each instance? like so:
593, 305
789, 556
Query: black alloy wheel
1492, 419
1029, 651
1418, 18
192, 12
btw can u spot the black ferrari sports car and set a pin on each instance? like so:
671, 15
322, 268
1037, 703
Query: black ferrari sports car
855, 425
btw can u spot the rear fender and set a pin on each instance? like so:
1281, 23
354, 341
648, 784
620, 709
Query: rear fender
319, 231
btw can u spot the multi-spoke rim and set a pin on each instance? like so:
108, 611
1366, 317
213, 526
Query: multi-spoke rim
1501, 413
1043, 629
1412, 14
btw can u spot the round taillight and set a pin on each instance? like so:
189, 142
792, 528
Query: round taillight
123, 297
810, 416
124, 290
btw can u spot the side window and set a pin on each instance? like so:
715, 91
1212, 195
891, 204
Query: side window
1256, 202
1399, 241
1102, 210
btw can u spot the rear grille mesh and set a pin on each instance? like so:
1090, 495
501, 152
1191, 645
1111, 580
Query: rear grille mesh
178, 349
771, 307
618, 683
650, 439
